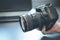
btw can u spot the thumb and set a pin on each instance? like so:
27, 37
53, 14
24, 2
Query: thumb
43, 30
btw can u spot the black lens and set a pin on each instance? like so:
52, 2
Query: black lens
31, 21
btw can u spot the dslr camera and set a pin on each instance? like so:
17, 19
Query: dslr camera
46, 15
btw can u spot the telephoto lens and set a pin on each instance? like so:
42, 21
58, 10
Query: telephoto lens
46, 15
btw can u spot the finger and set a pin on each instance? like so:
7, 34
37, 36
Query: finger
58, 25
44, 28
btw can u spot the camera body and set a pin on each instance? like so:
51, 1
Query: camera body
46, 15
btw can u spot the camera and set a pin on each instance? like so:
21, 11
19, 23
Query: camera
46, 15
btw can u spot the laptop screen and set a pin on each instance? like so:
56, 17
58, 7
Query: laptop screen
15, 5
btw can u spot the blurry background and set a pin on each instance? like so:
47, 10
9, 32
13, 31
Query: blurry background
12, 31
40, 2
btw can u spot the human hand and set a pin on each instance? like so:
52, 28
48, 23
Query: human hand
54, 29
